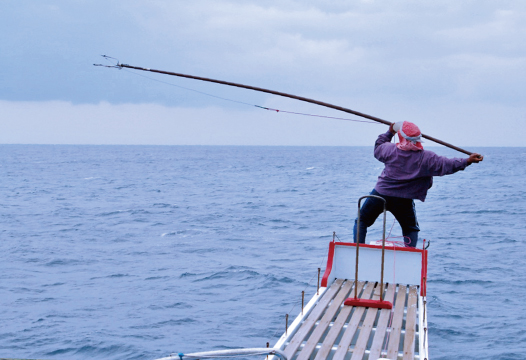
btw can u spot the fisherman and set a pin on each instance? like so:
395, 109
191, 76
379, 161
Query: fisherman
408, 174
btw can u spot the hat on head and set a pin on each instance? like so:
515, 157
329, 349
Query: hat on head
410, 136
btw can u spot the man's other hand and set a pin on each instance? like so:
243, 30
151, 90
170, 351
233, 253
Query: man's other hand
475, 158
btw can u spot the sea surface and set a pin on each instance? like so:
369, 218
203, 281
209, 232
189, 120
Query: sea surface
136, 252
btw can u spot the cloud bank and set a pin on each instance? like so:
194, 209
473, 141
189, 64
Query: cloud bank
59, 122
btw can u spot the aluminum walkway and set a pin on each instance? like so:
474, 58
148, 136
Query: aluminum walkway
333, 331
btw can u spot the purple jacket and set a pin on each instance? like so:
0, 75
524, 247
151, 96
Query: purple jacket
409, 174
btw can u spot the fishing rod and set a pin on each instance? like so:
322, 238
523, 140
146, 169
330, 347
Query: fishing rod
300, 98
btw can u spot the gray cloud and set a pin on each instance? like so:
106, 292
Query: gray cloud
389, 56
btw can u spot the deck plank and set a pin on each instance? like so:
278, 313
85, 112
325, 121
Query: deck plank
336, 328
396, 326
381, 326
310, 321
325, 321
410, 323
352, 326
367, 326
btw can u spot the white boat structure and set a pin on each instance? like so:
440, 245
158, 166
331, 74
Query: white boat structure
327, 329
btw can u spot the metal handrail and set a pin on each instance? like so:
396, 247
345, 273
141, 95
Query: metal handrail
358, 244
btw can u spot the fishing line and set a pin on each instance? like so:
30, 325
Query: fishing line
321, 116
245, 103
189, 89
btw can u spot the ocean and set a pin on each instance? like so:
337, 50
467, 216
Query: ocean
137, 252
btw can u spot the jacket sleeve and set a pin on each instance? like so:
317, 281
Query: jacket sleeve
380, 151
441, 165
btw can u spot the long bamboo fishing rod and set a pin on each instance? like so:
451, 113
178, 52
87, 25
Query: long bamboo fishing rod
336, 107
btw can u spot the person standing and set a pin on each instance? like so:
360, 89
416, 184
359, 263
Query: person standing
408, 175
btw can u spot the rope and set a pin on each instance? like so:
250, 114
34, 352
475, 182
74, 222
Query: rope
392, 226
193, 356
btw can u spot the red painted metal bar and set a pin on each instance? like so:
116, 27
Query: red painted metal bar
423, 281
332, 245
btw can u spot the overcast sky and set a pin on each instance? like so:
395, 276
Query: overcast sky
455, 68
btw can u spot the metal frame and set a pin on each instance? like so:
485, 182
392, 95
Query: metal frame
369, 303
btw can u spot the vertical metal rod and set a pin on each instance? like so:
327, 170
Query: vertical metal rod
357, 241
318, 289
357, 251
286, 323
302, 301
333, 236
268, 345
383, 257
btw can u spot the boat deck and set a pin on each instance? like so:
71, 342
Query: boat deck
333, 331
